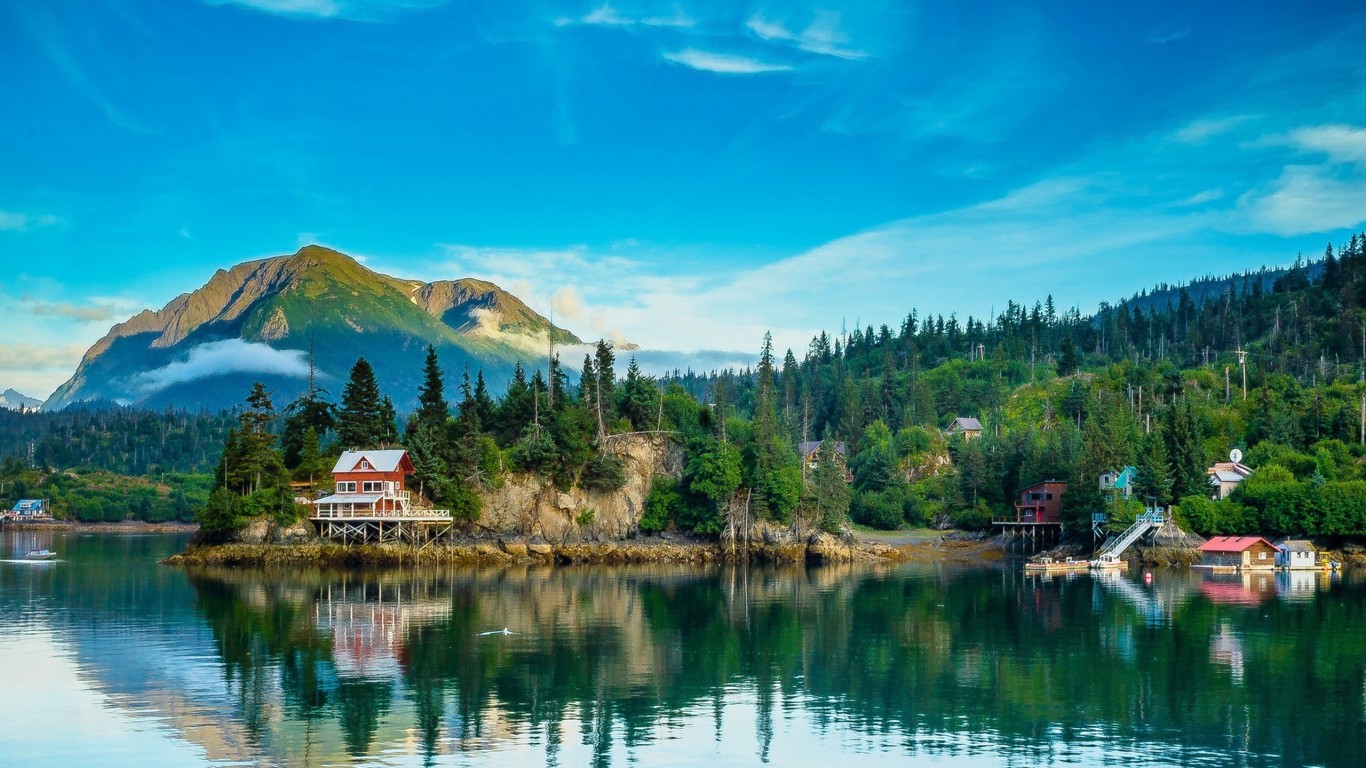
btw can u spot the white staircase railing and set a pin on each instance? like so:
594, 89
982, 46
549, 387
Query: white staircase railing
1146, 522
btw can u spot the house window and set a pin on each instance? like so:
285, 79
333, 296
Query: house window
364, 464
1048, 496
1261, 555
371, 486
346, 487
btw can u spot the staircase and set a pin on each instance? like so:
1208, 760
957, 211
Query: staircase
1146, 522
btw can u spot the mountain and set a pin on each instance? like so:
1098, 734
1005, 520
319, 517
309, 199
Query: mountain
258, 320
17, 401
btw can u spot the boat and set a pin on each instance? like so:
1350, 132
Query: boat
1107, 562
40, 554
1049, 565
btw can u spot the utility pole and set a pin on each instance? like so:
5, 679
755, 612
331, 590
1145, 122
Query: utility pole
1226, 385
1242, 363
1363, 419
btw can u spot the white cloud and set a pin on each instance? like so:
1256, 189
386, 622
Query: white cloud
90, 313
22, 222
1202, 197
354, 10
227, 356
723, 63
1341, 143
1307, 199
37, 369
1199, 131
822, 36
606, 15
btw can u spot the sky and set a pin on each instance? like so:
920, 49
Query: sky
682, 175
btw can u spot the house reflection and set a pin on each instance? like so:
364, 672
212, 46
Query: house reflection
370, 624
1246, 588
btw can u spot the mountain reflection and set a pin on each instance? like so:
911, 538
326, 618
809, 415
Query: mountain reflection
325, 666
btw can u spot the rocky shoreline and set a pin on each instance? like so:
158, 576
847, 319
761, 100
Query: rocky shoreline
818, 549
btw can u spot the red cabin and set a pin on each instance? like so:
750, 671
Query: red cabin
1041, 503
368, 483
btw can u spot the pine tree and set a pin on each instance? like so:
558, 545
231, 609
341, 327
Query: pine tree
387, 427
360, 421
830, 493
639, 398
258, 458
1068, 360
1154, 479
432, 409
483, 402
312, 466
1186, 452
517, 410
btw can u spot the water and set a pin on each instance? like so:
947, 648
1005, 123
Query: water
112, 660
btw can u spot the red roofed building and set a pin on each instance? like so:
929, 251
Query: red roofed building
1251, 552
368, 484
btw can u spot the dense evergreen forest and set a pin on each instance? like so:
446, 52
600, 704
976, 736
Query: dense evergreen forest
1168, 381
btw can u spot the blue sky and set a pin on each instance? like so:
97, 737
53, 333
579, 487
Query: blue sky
685, 175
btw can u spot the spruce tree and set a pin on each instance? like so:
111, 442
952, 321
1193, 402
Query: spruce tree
432, 409
1154, 470
360, 421
1186, 452
387, 427
639, 398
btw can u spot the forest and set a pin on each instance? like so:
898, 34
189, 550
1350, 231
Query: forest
1169, 381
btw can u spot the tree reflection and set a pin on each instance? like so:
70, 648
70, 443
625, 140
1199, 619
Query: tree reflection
1027, 666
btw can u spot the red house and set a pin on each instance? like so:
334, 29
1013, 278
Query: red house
1041, 503
368, 484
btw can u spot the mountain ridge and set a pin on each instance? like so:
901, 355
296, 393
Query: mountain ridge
258, 316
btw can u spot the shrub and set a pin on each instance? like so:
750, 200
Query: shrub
603, 473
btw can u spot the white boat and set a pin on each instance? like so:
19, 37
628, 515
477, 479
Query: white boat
1106, 562
40, 554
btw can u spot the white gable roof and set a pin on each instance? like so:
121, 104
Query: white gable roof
382, 461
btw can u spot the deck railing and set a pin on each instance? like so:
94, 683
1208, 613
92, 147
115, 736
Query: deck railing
398, 507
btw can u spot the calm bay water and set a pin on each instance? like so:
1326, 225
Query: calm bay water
110, 659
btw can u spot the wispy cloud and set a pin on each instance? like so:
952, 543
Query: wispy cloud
1306, 199
1202, 197
1165, 35
1202, 130
22, 222
1341, 143
229, 356
1313, 197
93, 313
606, 15
37, 369
351, 10
79, 52
823, 35
723, 63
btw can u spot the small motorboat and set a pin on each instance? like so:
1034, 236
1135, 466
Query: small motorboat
40, 554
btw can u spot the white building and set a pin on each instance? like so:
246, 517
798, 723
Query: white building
1295, 554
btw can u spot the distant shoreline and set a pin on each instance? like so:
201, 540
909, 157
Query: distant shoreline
124, 526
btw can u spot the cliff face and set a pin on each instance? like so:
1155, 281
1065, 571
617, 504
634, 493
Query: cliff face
532, 507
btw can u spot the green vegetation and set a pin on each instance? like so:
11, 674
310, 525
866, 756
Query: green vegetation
1155, 382
95, 496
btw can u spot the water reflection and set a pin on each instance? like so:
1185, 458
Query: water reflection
687, 666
